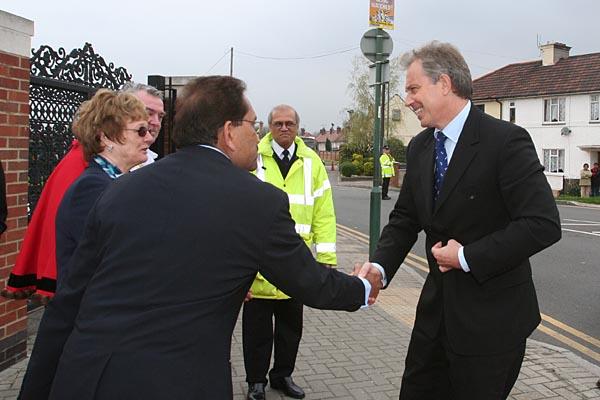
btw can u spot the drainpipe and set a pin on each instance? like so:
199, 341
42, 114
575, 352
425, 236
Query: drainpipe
499, 102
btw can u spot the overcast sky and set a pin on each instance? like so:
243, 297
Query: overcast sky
179, 37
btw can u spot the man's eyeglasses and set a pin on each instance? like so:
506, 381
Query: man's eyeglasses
141, 131
280, 124
253, 123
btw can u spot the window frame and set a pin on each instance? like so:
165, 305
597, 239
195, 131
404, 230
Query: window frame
595, 102
555, 106
554, 157
512, 112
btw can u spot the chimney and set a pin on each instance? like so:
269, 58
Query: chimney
552, 52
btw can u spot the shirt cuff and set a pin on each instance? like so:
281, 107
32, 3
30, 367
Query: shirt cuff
367, 291
380, 268
463, 261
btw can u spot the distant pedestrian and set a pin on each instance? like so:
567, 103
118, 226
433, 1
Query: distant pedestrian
595, 180
585, 181
387, 171
261, 131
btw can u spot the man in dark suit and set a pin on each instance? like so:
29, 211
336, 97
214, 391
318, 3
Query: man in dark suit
475, 185
154, 289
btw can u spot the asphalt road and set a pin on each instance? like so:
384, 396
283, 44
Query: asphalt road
567, 275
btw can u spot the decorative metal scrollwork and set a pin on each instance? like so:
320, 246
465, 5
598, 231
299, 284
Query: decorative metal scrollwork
60, 82
82, 66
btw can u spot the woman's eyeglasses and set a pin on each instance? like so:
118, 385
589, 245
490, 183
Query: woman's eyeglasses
141, 131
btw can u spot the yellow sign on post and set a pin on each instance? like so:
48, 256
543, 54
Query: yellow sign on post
381, 14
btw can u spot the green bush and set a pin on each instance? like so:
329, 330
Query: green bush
358, 157
347, 150
358, 167
368, 168
347, 169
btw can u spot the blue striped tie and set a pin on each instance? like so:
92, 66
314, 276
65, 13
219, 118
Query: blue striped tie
441, 165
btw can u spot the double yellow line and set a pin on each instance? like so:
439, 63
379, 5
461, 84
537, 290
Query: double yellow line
554, 328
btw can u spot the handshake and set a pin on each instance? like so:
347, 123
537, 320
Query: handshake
369, 272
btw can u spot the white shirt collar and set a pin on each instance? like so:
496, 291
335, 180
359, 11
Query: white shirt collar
278, 149
454, 128
213, 148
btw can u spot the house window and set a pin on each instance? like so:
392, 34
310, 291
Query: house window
595, 107
396, 116
554, 160
512, 112
554, 109
481, 107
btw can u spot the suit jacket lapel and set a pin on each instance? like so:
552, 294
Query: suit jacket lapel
426, 171
465, 150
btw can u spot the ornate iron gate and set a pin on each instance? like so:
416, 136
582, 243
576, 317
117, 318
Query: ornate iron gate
164, 142
59, 83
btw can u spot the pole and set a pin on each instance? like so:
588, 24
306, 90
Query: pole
375, 205
231, 63
384, 113
387, 115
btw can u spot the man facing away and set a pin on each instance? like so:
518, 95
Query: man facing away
475, 185
386, 161
287, 163
148, 307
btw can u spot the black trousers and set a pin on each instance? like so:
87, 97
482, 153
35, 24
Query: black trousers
385, 185
259, 338
433, 371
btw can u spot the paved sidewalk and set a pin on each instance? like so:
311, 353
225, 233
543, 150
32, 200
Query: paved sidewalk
361, 355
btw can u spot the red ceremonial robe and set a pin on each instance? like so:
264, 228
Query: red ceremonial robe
35, 268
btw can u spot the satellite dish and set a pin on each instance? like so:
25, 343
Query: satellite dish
565, 131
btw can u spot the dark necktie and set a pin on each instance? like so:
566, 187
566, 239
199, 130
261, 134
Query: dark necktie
285, 156
441, 164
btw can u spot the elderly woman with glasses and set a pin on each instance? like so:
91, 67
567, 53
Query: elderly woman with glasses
113, 131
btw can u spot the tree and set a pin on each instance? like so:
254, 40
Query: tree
397, 149
359, 126
327, 145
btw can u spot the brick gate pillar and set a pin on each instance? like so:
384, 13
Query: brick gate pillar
15, 48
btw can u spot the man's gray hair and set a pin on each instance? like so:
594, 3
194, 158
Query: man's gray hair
442, 58
283, 107
133, 87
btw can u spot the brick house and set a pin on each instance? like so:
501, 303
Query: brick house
557, 99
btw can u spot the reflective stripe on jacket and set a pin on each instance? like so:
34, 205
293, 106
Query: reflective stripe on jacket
311, 205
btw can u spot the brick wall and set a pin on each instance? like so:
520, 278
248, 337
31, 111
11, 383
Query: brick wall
14, 148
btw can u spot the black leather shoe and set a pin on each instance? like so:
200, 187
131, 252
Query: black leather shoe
256, 391
386, 198
287, 386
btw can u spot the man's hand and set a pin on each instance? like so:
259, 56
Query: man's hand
248, 296
373, 275
447, 256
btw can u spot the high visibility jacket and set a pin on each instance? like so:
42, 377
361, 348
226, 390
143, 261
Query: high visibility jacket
387, 165
311, 205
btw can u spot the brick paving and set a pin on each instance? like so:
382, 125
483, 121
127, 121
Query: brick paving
361, 355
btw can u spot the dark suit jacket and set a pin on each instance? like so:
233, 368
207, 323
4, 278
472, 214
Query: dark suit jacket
155, 287
496, 202
73, 211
